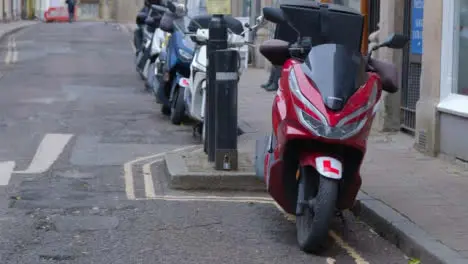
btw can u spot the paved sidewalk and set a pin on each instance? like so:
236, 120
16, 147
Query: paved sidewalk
11, 27
430, 192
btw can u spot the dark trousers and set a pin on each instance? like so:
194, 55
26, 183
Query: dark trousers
138, 38
71, 13
275, 73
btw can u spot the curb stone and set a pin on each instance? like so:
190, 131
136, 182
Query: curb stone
406, 235
180, 178
14, 30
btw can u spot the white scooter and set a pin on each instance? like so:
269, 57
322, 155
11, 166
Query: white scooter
195, 85
156, 47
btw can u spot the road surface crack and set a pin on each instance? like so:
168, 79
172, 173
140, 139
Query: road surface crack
167, 228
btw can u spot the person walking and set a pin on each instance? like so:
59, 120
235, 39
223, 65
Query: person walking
71, 10
275, 72
272, 83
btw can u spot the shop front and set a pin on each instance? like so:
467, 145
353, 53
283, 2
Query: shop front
453, 105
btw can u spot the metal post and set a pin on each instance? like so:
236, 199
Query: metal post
218, 41
365, 33
227, 65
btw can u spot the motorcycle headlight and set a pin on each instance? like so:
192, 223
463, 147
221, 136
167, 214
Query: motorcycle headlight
185, 55
319, 126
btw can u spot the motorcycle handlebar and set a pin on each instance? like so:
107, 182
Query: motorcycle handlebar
159, 8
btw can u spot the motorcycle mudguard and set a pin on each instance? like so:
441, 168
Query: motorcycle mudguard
174, 85
326, 166
262, 146
184, 82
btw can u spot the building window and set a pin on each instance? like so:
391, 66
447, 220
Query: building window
354, 4
454, 55
462, 85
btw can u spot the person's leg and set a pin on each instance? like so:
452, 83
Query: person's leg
138, 38
276, 75
270, 78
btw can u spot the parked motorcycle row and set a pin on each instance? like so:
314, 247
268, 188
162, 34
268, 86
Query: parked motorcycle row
172, 58
321, 115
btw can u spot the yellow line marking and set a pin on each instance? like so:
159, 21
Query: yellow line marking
235, 199
128, 169
351, 251
150, 194
358, 259
148, 178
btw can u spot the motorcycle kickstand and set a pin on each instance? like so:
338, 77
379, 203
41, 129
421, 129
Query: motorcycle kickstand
344, 223
196, 131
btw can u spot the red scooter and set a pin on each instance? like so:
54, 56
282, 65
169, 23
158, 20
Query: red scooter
321, 119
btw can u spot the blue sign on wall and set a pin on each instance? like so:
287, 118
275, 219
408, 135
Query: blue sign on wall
417, 13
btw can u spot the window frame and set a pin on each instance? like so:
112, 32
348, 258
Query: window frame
450, 101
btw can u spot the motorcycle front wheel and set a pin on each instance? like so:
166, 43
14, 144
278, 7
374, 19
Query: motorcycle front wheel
316, 201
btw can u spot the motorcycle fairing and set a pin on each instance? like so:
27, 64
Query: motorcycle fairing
336, 72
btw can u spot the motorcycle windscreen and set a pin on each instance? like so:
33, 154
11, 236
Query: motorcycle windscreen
336, 71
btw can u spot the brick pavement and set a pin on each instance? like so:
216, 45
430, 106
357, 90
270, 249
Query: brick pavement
431, 192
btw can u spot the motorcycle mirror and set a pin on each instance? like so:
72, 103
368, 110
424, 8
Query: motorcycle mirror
177, 8
140, 19
259, 20
247, 25
274, 15
395, 41
171, 6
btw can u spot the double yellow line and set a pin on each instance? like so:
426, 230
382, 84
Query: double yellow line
12, 53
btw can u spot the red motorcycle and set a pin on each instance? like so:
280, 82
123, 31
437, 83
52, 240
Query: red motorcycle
321, 119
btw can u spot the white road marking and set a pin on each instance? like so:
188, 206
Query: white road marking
128, 169
6, 169
9, 50
48, 152
14, 51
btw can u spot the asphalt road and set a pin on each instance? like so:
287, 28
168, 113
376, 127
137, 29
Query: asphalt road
72, 114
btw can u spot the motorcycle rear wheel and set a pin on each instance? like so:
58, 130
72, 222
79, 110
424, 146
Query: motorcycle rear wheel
178, 107
313, 223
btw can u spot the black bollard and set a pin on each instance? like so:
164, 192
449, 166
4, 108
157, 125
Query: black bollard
218, 41
227, 77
